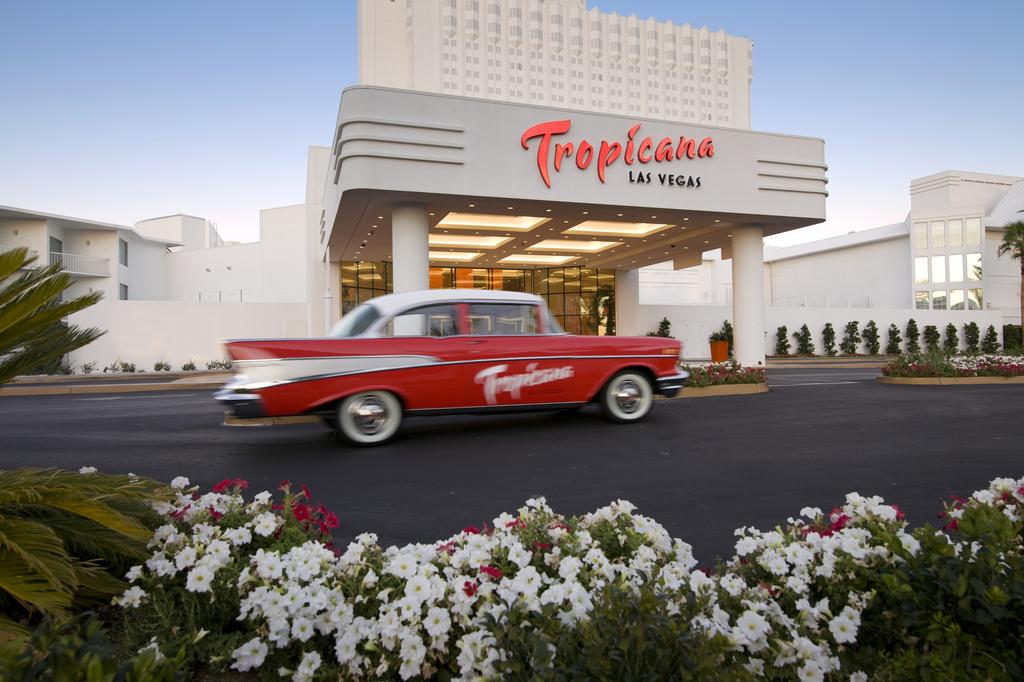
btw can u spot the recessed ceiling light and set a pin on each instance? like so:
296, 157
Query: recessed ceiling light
547, 210
610, 228
483, 221
455, 256
536, 259
586, 213
472, 205
510, 207
685, 218
619, 214
706, 241
380, 217
728, 235
717, 221
472, 241
572, 245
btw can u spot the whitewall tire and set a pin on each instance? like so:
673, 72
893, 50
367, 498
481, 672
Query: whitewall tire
369, 418
627, 397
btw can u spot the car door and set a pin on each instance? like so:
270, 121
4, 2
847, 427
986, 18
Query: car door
510, 362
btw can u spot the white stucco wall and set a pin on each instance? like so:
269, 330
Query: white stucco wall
1001, 279
144, 332
284, 254
228, 274
31, 234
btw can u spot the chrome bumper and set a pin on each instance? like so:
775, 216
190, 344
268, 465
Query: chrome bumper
234, 397
670, 386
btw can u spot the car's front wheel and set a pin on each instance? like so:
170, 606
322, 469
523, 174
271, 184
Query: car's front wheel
369, 418
627, 397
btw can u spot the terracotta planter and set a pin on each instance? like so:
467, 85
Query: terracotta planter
719, 351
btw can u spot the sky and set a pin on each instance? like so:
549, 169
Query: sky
120, 111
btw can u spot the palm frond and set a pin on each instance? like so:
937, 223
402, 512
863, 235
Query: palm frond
34, 567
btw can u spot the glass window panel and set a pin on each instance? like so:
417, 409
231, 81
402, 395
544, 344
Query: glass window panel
556, 304
539, 282
571, 324
938, 268
956, 299
513, 280
572, 304
502, 319
938, 300
956, 268
972, 231
556, 280
349, 300
974, 267
956, 233
606, 278
921, 300
437, 278
974, 299
921, 270
348, 274
920, 235
588, 279
436, 320
938, 233
571, 281
388, 279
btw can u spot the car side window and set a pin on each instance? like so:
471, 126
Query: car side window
434, 320
500, 319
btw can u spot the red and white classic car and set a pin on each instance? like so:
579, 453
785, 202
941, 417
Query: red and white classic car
442, 352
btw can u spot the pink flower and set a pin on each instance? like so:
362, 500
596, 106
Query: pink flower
492, 572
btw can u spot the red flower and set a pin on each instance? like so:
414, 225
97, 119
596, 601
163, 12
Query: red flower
471, 530
516, 523
838, 524
305, 491
447, 548
180, 512
899, 512
214, 513
492, 572
301, 512
330, 520
285, 485
469, 587
222, 486
543, 546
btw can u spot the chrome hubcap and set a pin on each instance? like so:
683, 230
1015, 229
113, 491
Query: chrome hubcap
369, 415
627, 396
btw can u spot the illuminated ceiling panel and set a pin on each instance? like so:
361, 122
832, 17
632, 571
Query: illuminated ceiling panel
468, 240
610, 228
485, 221
454, 256
536, 259
572, 245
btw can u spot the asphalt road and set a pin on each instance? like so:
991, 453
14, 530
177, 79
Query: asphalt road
701, 467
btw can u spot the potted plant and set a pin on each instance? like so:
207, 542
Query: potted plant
719, 346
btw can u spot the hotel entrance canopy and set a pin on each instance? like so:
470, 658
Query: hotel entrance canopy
427, 179
453, 154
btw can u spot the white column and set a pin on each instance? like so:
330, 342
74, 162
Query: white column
627, 303
748, 295
409, 250
328, 297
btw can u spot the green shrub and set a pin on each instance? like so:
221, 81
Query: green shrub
892, 346
851, 338
189, 366
913, 337
782, 341
972, 334
871, 335
931, 338
664, 329
990, 344
88, 368
161, 366
828, 339
120, 366
728, 372
727, 330
951, 342
804, 344
1012, 340
218, 364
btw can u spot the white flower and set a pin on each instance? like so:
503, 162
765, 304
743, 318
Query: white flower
810, 512
844, 626
811, 672
265, 524
745, 546
910, 543
752, 626
438, 622
307, 667
179, 483
418, 589
403, 566
302, 629
238, 536
199, 579
250, 655
185, 558
131, 598
858, 677
133, 574
88, 470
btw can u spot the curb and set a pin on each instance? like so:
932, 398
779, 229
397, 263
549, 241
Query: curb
825, 365
949, 381
14, 391
723, 390
198, 375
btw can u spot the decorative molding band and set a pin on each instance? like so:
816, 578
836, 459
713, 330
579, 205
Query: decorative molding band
823, 192
816, 178
782, 162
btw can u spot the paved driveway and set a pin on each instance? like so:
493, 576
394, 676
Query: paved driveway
701, 467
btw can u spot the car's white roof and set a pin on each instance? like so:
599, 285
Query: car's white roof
391, 303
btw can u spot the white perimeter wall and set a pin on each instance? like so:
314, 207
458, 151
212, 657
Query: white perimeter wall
144, 332
693, 324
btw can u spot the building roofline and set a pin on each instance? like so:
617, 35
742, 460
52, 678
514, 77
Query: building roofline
838, 243
78, 223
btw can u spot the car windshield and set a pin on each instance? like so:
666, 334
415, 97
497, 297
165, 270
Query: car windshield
356, 322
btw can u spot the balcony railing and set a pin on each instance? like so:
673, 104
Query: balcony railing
75, 264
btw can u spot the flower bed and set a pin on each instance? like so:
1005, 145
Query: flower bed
938, 365
256, 585
722, 373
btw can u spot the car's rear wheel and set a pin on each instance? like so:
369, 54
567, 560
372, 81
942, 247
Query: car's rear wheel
370, 417
627, 397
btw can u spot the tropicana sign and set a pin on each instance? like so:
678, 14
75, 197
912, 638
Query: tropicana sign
643, 151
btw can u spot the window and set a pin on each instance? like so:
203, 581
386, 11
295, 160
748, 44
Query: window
956, 299
972, 232
974, 267
956, 268
122, 252
956, 233
938, 231
938, 269
974, 299
499, 319
938, 300
921, 270
122, 292
435, 320
921, 300
356, 322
